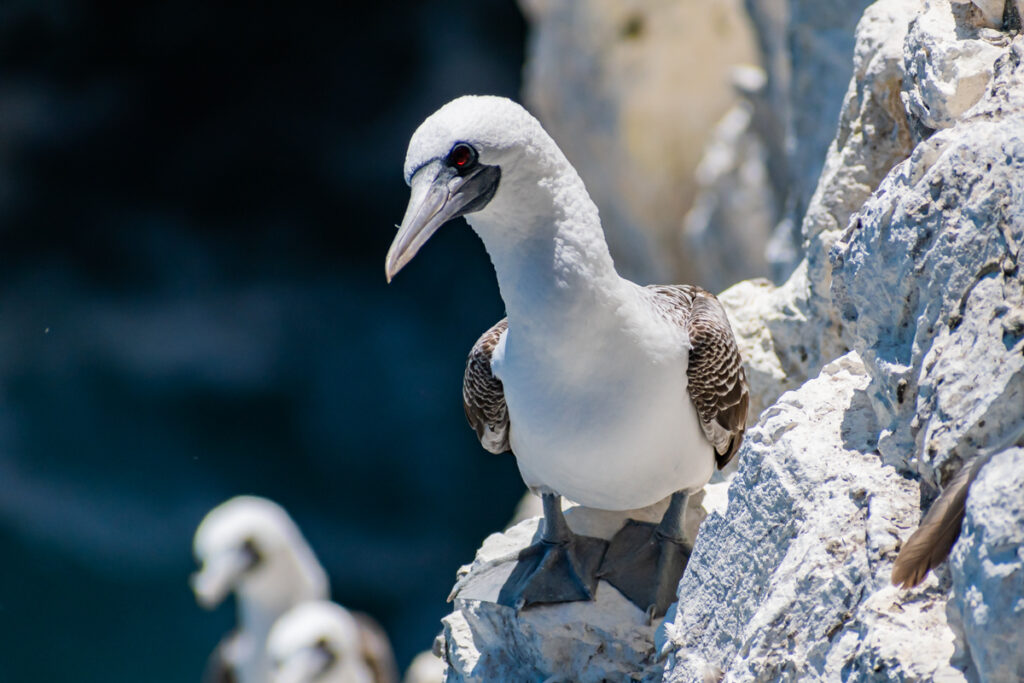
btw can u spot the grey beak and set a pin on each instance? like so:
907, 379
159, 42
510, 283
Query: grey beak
439, 194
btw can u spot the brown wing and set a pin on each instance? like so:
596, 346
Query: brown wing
219, 668
376, 649
715, 377
483, 396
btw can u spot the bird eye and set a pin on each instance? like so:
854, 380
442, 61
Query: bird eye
462, 156
251, 553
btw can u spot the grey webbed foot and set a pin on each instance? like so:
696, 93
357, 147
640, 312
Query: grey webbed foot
645, 561
561, 567
554, 572
645, 566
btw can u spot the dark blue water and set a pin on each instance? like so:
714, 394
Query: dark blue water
195, 205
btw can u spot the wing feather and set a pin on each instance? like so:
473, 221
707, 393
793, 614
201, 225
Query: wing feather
376, 649
483, 396
930, 544
716, 381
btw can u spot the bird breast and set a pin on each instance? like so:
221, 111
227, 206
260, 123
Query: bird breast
608, 425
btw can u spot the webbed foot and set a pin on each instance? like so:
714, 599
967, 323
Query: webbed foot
645, 561
645, 566
560, 567
554, 572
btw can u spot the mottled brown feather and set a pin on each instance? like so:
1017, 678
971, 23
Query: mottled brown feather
376, 649
716, 381
483, 396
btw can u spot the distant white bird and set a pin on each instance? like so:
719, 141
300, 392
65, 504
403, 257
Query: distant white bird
322, 642
609, 393
250, 546
426, 667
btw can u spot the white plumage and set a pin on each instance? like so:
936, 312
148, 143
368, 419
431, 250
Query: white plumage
318, 642
251, 547
609, 393
594, 374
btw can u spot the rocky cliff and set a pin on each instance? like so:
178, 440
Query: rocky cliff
891, 355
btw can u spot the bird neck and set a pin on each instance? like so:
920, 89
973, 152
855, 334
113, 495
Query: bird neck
549, 253
294, 576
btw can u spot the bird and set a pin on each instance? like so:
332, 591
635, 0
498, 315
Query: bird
426, 667
319, 641
611, 394
250, 546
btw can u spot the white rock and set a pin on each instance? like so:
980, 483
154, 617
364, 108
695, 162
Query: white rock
608, 639
770, 325
987, 608
930, 292
928, 282
787, 333
806, 47
873, 134
631, 91
911, 245
949, 56
821, 38
991, 10
792, 582
529, 505
735, 210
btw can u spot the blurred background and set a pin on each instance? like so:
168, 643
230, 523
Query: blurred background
195, 205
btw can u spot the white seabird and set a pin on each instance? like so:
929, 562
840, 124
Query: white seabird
322, 642
611, 394
426, 667
250, 546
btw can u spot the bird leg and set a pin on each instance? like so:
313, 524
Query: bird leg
645, 561
560, 567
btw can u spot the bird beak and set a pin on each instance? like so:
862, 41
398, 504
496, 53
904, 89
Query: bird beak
439, 194
214, 581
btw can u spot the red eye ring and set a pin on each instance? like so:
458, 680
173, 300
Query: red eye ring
461, 156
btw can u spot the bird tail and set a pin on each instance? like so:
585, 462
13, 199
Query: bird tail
930, 544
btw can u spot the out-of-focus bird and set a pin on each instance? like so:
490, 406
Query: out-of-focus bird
426, 667
322, 642
251, 547
609, 393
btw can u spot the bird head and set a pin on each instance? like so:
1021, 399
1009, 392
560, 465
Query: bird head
251, 546
474, 155
317, 641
